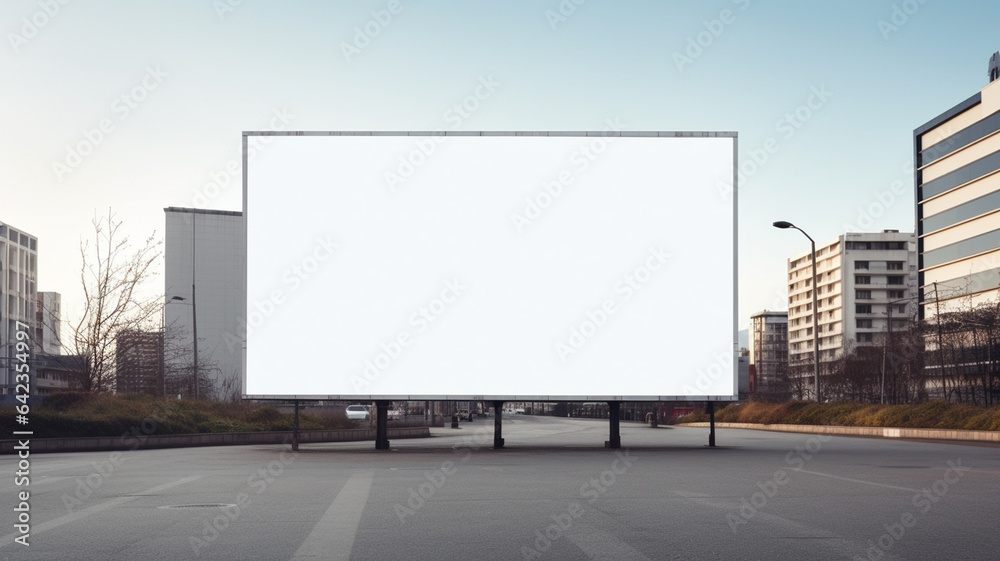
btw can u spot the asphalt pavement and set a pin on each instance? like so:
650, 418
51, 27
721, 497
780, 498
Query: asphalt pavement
553, 493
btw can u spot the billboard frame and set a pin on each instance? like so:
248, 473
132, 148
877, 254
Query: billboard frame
514, 397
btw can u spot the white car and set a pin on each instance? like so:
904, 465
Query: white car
357, 413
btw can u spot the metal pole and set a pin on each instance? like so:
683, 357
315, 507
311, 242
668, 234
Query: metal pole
711, 423
295, 428
194, 322
194, 309
815, 289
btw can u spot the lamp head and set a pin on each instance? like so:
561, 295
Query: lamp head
782, 224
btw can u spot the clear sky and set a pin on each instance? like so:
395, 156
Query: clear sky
859, 75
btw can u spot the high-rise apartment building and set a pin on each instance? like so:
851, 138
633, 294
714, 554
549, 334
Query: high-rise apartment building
204, 271
18, 278
139, 362
769, 355
866, 285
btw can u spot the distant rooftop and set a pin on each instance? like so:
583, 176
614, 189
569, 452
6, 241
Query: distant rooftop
202, 211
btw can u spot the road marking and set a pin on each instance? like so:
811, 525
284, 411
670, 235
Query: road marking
831, 476
73, 517
333, 536
597, 544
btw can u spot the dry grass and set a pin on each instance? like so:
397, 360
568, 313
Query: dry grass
78, 414
931, 415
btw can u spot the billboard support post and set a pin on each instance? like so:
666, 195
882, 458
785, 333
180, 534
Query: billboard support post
497, 425
614, 415
711, 423
381, 425
295, 428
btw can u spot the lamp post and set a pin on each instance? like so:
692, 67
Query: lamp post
815, 309
194, 329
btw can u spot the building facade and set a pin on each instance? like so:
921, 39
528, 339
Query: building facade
204, 270
957, 157
769, 355
48, 310
866, 287
18, 294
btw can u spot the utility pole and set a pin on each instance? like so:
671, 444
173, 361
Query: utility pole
937, 306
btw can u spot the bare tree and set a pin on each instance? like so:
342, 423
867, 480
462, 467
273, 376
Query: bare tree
112, 273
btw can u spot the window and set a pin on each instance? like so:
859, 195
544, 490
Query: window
863, 295
864, 323
894, 280
862, 308
860, 265
901, 308
894, 265
862, 279
864, 337
895, 294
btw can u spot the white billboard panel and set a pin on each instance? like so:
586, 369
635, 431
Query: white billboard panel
509, 266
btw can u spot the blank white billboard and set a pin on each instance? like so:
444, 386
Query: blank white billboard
511, 266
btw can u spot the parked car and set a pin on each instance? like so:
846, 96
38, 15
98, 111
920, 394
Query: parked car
463, 415
394, 414
357, 413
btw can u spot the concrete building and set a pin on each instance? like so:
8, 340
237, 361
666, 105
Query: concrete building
769, 355
957, 157
863, 280
205, 266
18, 278
57, 373
48, 310
139, 362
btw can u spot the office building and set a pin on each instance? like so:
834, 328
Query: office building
204, 270
867, 286
957, 157
769, 355
18, 278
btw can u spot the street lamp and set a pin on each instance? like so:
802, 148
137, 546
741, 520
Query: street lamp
194, 329
815, 288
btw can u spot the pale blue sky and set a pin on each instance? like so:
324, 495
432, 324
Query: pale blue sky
219, 73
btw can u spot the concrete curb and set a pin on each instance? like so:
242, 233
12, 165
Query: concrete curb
147, 442
881, 432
